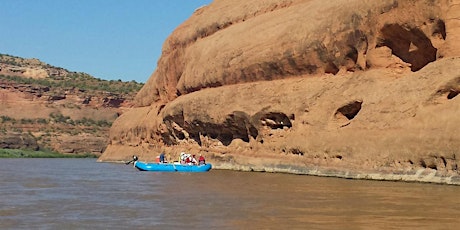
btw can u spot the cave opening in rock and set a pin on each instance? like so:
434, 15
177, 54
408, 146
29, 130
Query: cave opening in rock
349, 110
331, 68
180, 135
409, 44
440, 29
235, 126
226, 138
430, 165
452, 93
352, 54
275, 120
297, 151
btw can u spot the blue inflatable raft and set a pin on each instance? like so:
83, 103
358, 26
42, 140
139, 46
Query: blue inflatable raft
171, 167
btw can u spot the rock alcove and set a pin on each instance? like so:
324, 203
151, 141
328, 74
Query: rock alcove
410, 44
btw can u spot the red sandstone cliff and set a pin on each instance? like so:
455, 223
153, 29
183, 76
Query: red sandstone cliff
360, 89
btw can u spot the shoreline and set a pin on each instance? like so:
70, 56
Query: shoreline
419, 176
411, 176
27, 153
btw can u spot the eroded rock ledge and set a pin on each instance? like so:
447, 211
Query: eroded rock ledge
389, 174
342, 88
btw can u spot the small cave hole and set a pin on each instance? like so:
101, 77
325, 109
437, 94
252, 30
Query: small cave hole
213, 135
178, 93
331, 68
161, 108
276, 120
195, 137
422, 163
352, 54
428, 165
180, 135
432, 166
349, 110
296, 151
440, 29
452, 93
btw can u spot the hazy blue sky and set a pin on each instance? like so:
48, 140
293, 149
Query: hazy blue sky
109, 39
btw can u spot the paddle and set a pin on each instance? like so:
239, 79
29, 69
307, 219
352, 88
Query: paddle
131, 161
172, 162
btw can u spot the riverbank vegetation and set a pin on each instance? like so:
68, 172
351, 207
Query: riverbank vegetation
81, 81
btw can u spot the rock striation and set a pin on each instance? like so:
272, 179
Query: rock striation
355, 89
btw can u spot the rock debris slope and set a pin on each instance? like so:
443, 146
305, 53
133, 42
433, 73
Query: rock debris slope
348, 88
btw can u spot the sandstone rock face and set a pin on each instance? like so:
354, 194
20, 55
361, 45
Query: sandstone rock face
14, 140
77, 144
359, 89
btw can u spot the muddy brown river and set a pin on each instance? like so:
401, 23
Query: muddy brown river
84, 194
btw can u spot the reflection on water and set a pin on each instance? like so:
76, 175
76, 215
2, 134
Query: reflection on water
83, 194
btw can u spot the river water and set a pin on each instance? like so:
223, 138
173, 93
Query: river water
84, 194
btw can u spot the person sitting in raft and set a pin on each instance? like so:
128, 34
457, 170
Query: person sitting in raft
162, 158
201, 160
182, 158
194, 162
